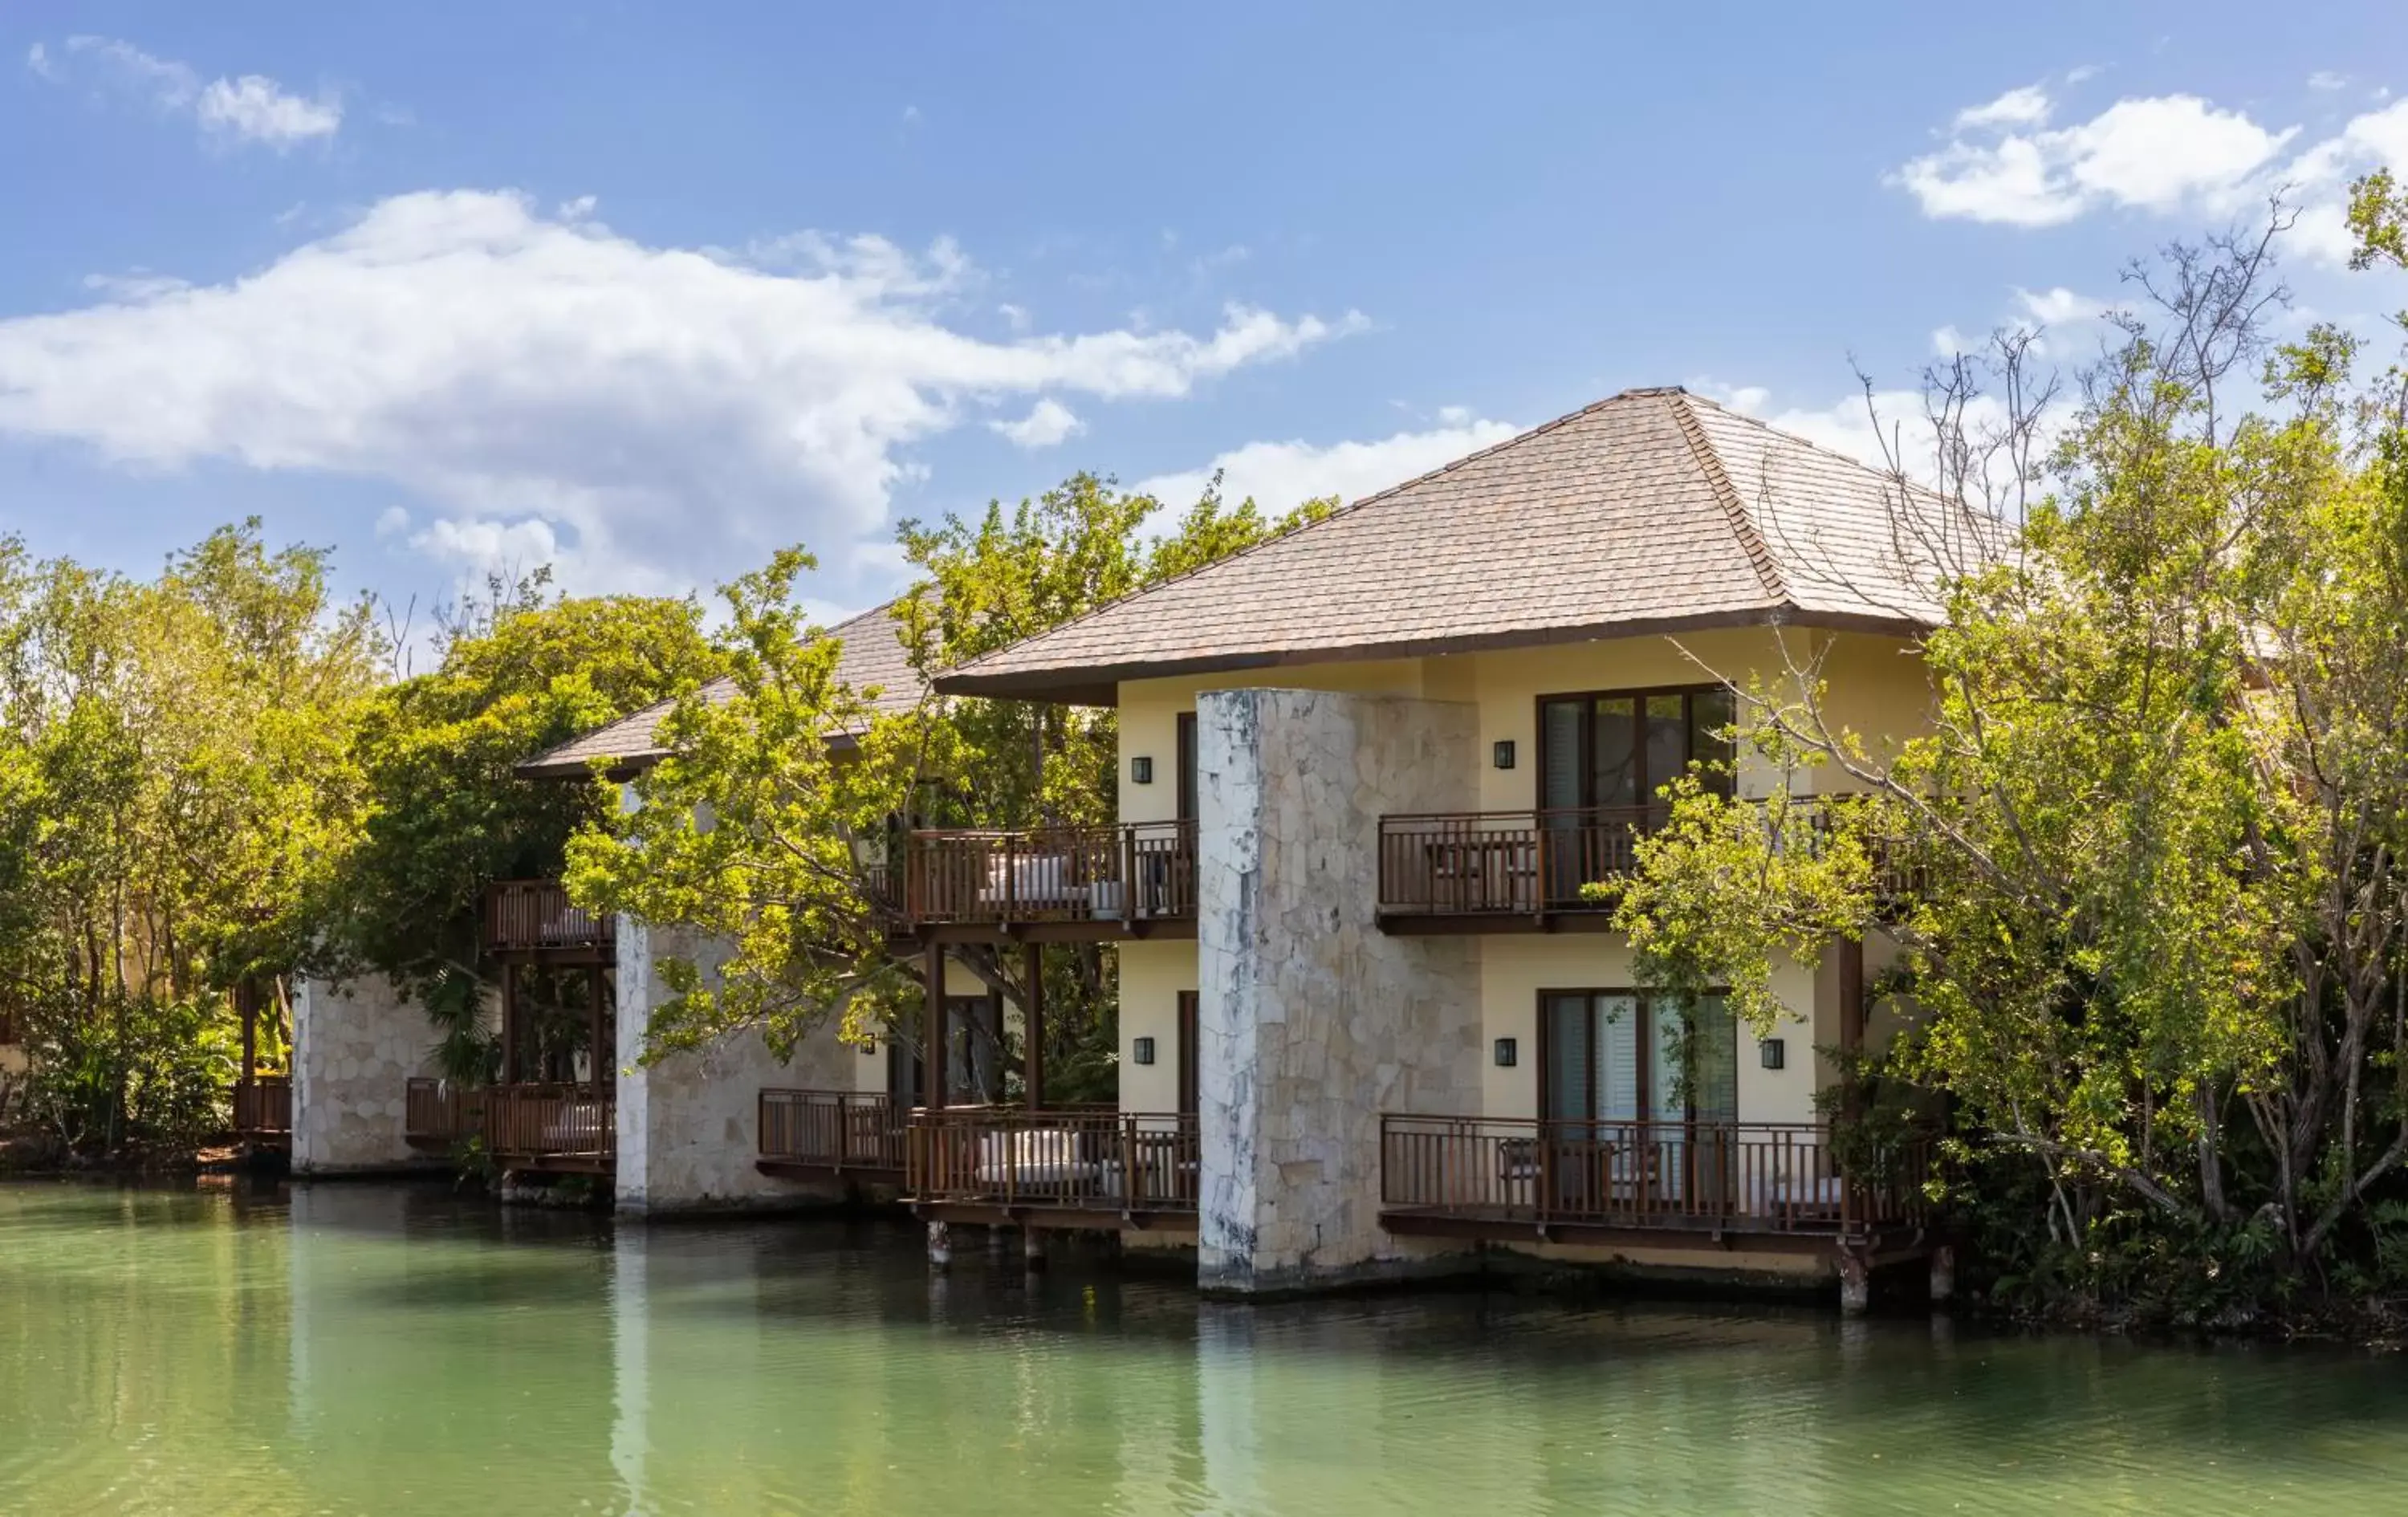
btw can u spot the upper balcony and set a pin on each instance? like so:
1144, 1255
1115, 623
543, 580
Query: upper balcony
1527, 871
534, 918
1054, 883
1506, 871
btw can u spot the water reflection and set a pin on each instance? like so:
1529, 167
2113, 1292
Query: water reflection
396, 1351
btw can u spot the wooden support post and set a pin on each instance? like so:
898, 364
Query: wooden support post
595, 1063
247, 994
1852, 1013
1033, 1064
940, 1245
510, 1023
1855, 1284
1032, 1248
933, 1060
1943, 1275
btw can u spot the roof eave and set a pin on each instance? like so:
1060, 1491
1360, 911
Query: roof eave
1100, 685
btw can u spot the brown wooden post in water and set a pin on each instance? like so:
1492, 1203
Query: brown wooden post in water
510, 1023
932, 1058
1032, 1066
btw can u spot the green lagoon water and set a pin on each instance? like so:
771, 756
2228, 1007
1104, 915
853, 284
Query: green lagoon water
394, 1350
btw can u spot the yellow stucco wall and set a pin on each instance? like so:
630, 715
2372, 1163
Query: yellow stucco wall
1873, 685
1153, 975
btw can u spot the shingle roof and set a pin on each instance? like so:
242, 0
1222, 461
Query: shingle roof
1655, 510
873, 657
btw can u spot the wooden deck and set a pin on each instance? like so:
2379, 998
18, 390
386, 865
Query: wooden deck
1098, 1171
534, 919
438, 1115
832, 1135
568, 1128
1758, 1185
1060, 884
262, 1111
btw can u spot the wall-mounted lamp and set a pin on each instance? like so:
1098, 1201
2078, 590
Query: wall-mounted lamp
1508, 1054
1141, 770
1774, 1052
1143, 1050
870, 1050
1501, 753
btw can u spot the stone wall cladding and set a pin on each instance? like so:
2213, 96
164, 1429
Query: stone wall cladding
1312, 1022
354, 1046
686, 1126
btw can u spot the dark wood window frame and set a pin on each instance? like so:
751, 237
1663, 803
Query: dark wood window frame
1185, 1052
1645, 1000
1640, 694
1185, 762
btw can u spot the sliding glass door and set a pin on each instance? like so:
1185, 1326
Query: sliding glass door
1630, 1082
1601, 760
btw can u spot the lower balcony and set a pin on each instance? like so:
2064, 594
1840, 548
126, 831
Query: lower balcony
1105, 1170
262, 1111
1772, 1185
438, 1115
570, 1129
1059, 884
832, 1135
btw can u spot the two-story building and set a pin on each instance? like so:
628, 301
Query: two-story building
731, 1125
1369, 1021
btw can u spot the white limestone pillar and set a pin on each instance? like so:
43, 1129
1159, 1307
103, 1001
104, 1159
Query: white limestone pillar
355, 1048
1312, 1022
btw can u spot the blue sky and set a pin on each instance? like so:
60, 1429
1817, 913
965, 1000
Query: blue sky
646, 291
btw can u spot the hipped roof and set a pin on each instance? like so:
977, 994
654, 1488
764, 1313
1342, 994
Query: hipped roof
872, 656
1653, 511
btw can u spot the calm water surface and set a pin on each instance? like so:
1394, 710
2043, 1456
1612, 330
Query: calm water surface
395, 1351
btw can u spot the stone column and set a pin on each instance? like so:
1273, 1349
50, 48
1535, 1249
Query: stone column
687, 1126
355, 1048
1312, 1022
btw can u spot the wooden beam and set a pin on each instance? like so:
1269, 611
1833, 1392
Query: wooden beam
247, 995
1852, 1016
932, 1057
1033, 1069
595, 1061
510, 1023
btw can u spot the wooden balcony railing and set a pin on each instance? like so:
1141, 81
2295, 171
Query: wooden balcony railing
551, 1122
1536, 863
438, 1113
840, 1131
1732, 1177
1091, 1161
536, 915
1514, 862
263, 1104
1132, 873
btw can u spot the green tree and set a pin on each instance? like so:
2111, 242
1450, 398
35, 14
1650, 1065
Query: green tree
770, 823
444, 814
174, 780
2143, 875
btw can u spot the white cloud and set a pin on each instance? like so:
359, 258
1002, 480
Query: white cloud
649, 416
253, 109
1048, 422
2162, 155
1278, 475
2059, 306
2027, 106
2325, 80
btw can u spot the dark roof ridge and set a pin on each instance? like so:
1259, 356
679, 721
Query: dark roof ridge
1742, 523
972, 665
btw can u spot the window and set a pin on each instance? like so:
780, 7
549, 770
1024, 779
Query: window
1617, 750
1618, 1056
1186, 766
1187, 1053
